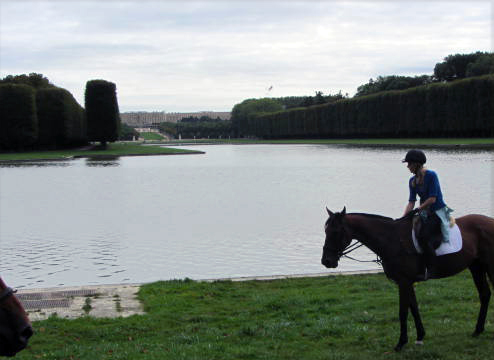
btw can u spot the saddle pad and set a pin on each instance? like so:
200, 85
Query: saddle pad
455, 242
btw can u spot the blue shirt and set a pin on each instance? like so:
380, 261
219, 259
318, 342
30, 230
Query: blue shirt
430, 188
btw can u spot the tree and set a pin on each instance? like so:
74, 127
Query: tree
103, 116
319, 98
455, 67
18, 120
392, 82
482, 66
127, 133
37, 81
248, 109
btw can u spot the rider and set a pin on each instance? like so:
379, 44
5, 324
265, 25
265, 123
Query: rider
425, 183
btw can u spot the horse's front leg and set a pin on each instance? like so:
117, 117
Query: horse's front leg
416, 317
405, 289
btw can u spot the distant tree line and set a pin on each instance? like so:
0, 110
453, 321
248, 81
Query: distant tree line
243, 114
204, 118
454, 67
193, 127
35, 114
459, 108
297, 116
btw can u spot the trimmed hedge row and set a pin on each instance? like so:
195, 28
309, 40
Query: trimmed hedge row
61, 119
103, 115
18, 120
43, 118
460, 108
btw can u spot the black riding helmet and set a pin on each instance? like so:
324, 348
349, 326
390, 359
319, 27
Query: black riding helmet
415, 156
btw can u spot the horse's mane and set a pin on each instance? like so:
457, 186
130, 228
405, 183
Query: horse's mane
373, 216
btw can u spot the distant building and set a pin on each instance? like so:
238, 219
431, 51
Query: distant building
144, 119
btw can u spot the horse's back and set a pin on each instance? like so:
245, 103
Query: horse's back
476, 222
478, 236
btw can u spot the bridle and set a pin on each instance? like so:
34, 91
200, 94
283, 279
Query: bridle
6, 293
348, 249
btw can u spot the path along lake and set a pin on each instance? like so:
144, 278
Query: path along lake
238, 210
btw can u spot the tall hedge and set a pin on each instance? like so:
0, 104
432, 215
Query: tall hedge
102, 114
61, 119
18, 120
459, 108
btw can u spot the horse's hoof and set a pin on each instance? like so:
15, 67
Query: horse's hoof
399, 347
419, 342
476, 333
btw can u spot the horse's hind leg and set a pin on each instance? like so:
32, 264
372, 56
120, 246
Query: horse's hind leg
479, 277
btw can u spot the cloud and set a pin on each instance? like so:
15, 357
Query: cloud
209, 55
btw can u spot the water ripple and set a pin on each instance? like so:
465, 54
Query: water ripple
236, 211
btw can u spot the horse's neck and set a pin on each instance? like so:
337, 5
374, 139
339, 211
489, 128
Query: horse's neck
372, 232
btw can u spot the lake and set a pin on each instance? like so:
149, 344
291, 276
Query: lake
238, 210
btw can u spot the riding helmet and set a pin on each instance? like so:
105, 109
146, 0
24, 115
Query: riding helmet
415, 156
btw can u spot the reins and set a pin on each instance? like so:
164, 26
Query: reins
6, 293
355, 246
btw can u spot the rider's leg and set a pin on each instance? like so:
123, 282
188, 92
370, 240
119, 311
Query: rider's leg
444, 216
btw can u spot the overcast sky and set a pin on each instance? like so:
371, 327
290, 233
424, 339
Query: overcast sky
179, 56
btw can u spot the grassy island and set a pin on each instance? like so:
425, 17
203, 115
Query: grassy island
334, 317
113, 149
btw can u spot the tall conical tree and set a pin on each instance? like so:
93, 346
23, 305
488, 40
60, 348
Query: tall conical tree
103, 116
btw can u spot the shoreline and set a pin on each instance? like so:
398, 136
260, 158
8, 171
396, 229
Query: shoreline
67, 155
121, 300
97, 157
485, 146
233, 279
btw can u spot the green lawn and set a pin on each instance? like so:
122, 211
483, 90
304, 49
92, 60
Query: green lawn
114, 149
151, 136
337, 317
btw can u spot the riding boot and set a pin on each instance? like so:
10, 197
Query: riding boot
430, 260
422, 269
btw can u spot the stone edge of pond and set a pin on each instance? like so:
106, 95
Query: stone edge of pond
118, 300
295, 276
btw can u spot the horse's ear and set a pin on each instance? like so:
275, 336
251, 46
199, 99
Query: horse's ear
343, 212
329, 212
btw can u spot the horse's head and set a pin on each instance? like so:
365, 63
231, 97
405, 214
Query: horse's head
337, 239
15, 327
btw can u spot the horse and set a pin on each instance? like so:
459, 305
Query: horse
391, 240
15, 327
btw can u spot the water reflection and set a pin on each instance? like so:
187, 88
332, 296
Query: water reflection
103, 161
34, 163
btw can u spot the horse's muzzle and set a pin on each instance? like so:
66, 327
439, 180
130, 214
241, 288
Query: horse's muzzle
11, 344
329, 263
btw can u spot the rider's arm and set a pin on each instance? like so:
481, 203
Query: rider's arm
427, 203
409, 207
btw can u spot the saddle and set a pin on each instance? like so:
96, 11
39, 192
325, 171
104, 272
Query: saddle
427, 228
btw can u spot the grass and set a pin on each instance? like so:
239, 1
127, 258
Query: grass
338, 317
87, 306
151, 136
113, 149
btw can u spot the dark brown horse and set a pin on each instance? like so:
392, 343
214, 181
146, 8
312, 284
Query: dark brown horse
15, 327
391, 240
